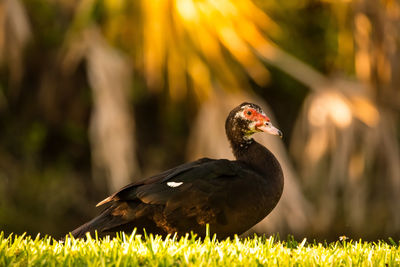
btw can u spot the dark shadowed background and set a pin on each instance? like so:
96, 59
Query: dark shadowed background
95, 94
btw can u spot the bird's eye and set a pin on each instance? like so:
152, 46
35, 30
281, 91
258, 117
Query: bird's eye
249, 113
267, 123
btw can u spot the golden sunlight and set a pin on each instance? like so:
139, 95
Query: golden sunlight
330, 106
186, 9
188, 45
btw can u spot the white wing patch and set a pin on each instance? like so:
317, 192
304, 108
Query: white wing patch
174, 184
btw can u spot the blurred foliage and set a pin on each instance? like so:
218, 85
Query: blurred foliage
95, 91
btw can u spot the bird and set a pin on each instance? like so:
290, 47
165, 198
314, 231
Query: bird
226, 196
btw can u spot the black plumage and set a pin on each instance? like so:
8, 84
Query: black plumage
230, 196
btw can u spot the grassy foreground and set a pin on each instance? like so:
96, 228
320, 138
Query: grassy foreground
132, 250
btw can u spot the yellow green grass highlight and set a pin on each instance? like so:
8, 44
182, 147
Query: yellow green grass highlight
136, 250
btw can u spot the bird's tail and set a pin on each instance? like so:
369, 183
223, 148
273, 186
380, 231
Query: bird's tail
98, 224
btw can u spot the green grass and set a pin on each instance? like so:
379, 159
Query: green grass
132, 250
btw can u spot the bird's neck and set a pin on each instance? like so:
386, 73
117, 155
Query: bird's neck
241, 147
258, 157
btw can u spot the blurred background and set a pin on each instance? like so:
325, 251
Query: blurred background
95, 94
